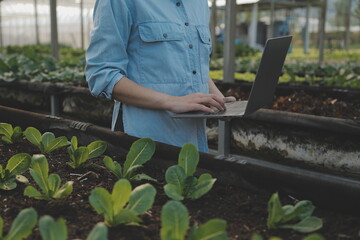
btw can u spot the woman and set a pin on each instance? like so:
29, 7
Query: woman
152, 58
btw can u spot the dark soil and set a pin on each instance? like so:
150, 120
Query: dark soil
306, 103
244, 209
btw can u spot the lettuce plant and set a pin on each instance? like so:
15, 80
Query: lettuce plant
180, 180
112, 205
79, 155
51, 229
313, 236
46, 142
57, 230
140, 152
21, 227
10, 134
297, 217
17, 164
50, 185
175, 225
99, 232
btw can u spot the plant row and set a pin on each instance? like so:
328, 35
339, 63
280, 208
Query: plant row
125, 205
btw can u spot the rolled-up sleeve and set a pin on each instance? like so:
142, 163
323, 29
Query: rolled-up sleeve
106, 56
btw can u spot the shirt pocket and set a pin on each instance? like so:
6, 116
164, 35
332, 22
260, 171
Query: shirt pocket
205, 50
163, 58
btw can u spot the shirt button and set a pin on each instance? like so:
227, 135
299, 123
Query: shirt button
186, 24
178, 4
165, 35
194, 72
191, 46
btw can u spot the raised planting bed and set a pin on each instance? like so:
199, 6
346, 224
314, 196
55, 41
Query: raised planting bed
318, 126
238, 195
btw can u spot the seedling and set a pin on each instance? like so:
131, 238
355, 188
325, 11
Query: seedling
46, 142
140, 152
175, 225
51, 229
17, 164
79, 155
112, 205
180, 180
50, 185
10, 134
57, 230
99, 232
22, 226
313, 236
297, 217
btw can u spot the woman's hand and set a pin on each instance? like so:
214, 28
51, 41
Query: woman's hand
196, 102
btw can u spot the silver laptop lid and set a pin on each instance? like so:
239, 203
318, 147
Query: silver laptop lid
267, 76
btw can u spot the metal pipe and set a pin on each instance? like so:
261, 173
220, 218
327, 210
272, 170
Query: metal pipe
82, 24
54, 30
229, 43
36, 22
322, 24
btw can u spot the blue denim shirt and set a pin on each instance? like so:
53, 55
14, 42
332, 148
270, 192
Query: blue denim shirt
163, 45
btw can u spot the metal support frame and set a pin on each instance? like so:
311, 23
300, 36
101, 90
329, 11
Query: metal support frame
322, 22
82, 24
1, 35
253, 26
213, 22
36, 22
272, 15
347, 25
229, 42
54, 105
54, 30
307, 33
224, 138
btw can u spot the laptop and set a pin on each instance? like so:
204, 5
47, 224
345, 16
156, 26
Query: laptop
263, 87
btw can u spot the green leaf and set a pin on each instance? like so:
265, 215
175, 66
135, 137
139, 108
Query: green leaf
55, 144
3, 66
174, 221
275, 211
47, 138
256, 236
8, 185
214, 229
22, 179
113, 166
33, 135
308, 224
54, 182
74, 142
6, 129
40, 171
201, 188
19, 163
100, 200
6, 139
188, 158
142, 198
17, 134
140, 152
23, 224
30, 191
314, 236
81, 155
96, 148
173, 192
64, 191
175, 175
131, 170
1, 227
99, 232
120, 195
51, 229
142, 176
126, 216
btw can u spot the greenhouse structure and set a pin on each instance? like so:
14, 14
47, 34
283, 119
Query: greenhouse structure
179, 119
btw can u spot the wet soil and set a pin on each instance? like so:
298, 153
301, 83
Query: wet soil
307, 103
244, 208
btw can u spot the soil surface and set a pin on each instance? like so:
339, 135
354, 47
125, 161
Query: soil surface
245, 209
306, 103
